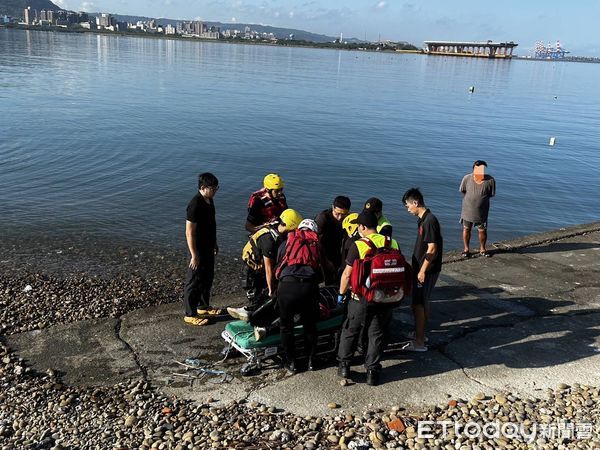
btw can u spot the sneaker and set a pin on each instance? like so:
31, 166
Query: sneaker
197, 321
412, 336
239, 313
259, 333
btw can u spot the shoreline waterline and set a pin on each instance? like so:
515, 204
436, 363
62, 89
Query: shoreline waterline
111, 278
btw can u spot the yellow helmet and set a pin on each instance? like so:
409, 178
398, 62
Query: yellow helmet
290, 219
349, 224
273, 181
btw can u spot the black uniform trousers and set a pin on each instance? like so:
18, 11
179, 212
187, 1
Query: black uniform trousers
298, 296
375, 319
198, 283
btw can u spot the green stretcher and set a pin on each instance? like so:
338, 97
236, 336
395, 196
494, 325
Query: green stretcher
239, 335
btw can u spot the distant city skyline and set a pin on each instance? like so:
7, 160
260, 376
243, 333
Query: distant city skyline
525, 22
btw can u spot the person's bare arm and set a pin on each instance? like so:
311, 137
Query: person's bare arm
432, 250
269, 274
345, 280
190, 236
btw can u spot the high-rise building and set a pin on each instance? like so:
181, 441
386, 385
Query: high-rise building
103, 20
50, 16
199, 28
29, 15
182, 27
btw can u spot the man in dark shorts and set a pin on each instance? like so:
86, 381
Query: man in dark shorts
426, 263
331, 237
477, 188
201, 236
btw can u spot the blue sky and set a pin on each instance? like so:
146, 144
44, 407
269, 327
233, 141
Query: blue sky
525, 21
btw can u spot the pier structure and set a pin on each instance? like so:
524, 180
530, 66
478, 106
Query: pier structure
486, 49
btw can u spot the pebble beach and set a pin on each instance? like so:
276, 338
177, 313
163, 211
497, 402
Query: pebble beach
37, 411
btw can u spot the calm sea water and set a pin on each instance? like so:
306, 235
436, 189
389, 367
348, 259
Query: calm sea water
104, 136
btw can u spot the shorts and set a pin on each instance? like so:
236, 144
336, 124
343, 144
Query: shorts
481, 226
422, 292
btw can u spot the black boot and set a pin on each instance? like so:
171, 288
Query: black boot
344, 369
372, 377
290, 366
313, 363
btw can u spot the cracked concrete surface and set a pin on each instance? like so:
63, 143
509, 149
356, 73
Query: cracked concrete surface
85, 353
520, 321
135, 355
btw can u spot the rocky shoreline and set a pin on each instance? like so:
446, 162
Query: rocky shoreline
37, 411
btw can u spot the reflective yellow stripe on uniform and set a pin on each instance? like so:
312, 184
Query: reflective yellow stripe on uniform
377, 239
382, 223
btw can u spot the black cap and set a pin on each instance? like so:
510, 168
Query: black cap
367, 218
374, 205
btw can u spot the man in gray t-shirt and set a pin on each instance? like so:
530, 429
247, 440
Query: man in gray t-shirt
477, 189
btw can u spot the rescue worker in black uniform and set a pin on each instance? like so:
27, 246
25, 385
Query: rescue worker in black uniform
298, 293
260, 255
373, 317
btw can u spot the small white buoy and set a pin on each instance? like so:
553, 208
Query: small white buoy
552, 141
471, 89
27, 288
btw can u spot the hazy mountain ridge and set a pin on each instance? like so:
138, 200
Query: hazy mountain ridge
14, 8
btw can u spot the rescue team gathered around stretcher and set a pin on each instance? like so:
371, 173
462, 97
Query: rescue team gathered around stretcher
287, 257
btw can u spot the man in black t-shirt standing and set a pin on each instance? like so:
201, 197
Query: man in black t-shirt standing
201, 236
331, 237
426, 263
